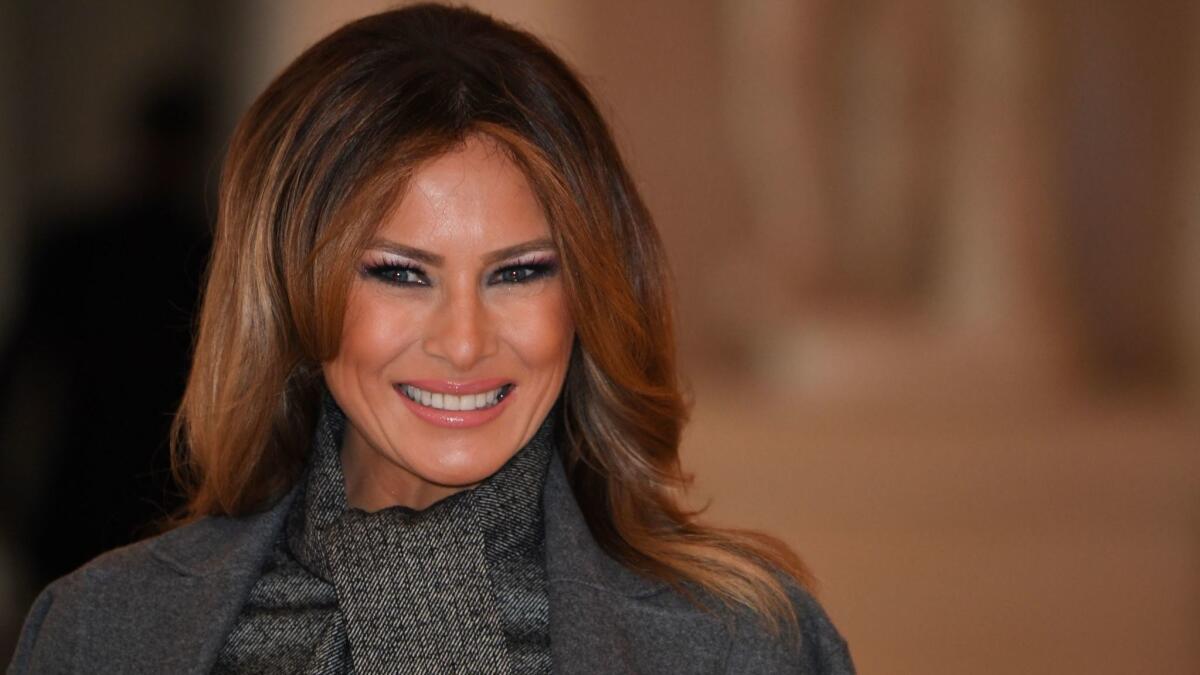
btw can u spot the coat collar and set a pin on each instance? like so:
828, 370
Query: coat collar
221, 558
216, 561
586, 636
572, 555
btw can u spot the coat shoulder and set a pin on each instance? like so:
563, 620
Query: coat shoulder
688, 625
813, 645
172, 550
88, 606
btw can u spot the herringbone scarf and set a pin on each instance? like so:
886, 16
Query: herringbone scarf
459, 587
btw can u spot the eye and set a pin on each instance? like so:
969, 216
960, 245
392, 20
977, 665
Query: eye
522, 273
396, 275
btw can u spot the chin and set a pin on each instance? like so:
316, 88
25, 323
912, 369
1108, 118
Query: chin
464, 472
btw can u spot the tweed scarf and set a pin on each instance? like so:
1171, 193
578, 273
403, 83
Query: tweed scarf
459, 587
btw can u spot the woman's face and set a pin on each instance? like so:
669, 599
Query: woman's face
456, 337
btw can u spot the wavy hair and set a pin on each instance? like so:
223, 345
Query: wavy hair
310, 173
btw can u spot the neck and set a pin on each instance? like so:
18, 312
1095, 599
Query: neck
373, 483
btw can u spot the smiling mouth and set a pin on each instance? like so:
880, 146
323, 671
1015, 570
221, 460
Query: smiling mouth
439, 401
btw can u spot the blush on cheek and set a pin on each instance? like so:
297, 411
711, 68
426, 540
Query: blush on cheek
540, 328
377, 327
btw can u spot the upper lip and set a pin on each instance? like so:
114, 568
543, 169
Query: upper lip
458, 388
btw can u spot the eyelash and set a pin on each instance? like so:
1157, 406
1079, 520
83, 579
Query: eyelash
400, 274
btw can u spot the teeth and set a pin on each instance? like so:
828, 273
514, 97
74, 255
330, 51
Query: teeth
452, 402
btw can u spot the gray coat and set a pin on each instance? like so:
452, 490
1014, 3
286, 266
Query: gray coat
165, 605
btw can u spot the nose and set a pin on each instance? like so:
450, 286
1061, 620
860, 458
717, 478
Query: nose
461, 330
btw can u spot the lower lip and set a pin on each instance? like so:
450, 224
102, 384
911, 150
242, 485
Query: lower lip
456, 419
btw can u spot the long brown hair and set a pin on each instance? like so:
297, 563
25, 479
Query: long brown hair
311, 170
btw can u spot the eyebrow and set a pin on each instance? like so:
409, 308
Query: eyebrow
421, 255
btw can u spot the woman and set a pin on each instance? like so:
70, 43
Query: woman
433, 418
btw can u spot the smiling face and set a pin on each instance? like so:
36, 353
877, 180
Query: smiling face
456, 336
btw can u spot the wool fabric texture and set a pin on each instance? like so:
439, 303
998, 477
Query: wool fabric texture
459, 587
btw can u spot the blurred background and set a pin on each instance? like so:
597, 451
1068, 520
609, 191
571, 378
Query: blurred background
939, 290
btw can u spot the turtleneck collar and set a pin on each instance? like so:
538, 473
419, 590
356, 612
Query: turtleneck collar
462, 579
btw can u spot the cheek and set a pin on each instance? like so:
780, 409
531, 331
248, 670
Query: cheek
373, 332
540, 330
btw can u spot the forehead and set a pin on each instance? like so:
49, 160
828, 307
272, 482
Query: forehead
471, 199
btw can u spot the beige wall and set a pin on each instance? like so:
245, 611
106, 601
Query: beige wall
937, 299
1186, 199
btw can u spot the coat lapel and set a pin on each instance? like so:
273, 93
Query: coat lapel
604, 618
214, 564
584, 632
